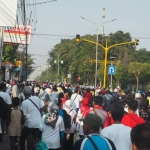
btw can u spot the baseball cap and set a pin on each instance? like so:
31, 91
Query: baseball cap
93, 120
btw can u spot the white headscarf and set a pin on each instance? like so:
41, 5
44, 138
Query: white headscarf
52, 115
68, 105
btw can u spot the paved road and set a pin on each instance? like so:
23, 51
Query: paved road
4, 145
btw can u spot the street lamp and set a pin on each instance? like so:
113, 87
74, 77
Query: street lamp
58, 60
97, 28
47, 65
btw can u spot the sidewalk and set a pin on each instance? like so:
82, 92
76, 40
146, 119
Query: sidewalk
4, 145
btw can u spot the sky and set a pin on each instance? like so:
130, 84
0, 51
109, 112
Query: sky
62, 17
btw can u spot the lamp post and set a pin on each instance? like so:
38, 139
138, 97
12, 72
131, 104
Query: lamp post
58, 60
47, 70
97, 28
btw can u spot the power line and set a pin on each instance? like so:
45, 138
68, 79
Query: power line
54, 35
45, 37
40, 3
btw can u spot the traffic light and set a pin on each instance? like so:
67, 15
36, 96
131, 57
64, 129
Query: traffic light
77, 38
136, 42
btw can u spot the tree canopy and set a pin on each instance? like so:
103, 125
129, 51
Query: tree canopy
76, 59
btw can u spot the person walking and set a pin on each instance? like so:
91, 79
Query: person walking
81, 114
118, 133
98, 110
13, 128
68, 142
31, 107
93, 140
52, 127
77, 98
131, 119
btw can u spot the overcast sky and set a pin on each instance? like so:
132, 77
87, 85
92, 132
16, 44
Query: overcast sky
61, 17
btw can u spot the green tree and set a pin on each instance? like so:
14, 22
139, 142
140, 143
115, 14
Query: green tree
119, 73
9, 53
138, 70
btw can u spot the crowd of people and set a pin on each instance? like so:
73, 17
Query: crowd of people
46, 116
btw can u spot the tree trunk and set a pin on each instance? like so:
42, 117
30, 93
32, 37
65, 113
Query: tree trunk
137, 83
87, 81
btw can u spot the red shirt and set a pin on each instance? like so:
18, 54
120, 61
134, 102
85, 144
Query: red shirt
132, 120
102, 113
63, 100
88, 95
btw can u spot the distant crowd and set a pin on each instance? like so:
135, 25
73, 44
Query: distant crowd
48, 116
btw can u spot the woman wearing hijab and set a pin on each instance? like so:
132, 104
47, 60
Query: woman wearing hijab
68, 142
52, 127
81, 114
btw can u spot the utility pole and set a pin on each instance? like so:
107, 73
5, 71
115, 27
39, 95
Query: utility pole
27, 47
103, 16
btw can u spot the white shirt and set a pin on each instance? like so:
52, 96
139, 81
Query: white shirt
77, 99
79, 126
73, 105
33, 116
42, 94
48, 90
8, 88
119, 134
6, 97
136, 112
73, 122
36, 89
53, 96
51, 136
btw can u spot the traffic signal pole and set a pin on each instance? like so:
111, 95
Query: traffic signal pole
106, 49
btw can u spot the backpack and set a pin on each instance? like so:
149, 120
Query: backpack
71, 122
4, 109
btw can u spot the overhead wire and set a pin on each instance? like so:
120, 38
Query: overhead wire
40, 3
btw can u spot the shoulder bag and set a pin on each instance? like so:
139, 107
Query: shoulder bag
35, 105
41, 145
93, 143
75, 97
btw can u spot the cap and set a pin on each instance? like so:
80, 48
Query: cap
27, 90
93, 120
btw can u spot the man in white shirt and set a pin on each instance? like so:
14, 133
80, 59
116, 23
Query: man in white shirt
42, 93
118, 133
5, 95
31, 108
77, 99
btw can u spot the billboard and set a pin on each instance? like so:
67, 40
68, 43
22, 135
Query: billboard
17, 34
8, 10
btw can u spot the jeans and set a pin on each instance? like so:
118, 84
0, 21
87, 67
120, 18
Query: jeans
25, 133
13, 142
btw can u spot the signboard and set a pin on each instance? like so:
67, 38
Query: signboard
8, 10
17, 34
112, 70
